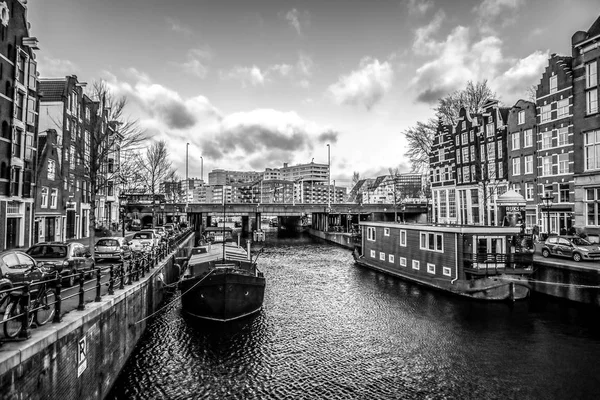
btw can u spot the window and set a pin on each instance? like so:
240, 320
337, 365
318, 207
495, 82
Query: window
547, 166
446, 271
516, 166
465, 173
521, 117
372, 253
416, 264
72, 156
403, 238
529, 164
19, 105
452, 203
465, 151
430, 268
403, 261
382, 256
53, 198
491, 151
457, 140
465, 138
592, 206
553, 83
371, 234
591, 101
44, 199
528, 138
458, 156
459, 175
500, 149
442, 155
472, 148
491, 170
563, 192
16, 147
546, 140
391, 258
516, 138
529, 191
563, 136
592, 150
562, 108
591, 75
489, 129
432, 241
563, 163
545, 113
500, 170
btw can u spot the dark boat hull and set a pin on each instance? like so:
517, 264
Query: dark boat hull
222, 296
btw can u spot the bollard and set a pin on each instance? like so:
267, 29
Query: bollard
143, 270
122, 274
127, 277
98, 285
111, 280
81, 305
57, 299
25, 301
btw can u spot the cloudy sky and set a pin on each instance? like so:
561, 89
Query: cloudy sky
254, 84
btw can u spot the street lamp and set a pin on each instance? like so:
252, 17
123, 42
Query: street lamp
403, 208
547, 199
328, 176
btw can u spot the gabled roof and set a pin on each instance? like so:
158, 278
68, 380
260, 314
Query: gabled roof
594, 29
52, 89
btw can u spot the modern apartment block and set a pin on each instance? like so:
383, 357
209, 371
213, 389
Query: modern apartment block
18, 132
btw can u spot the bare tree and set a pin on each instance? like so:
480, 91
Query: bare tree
108, 132
396, 192
532, 93
420, 139
155, 168
355, 178
472, 98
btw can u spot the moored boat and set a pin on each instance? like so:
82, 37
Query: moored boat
480, 262
221, 282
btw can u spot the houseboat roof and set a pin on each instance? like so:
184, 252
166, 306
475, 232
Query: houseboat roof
473, 229
218, 229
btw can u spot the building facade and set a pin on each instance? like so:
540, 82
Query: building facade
18, 134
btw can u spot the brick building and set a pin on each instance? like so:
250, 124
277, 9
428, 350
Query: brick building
18, 120
50, 204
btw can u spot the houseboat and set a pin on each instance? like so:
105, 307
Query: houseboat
221, 282
480, 262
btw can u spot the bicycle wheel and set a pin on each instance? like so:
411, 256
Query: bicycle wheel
12, 322
44, 306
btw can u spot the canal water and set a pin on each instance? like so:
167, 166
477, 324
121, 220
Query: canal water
333, 330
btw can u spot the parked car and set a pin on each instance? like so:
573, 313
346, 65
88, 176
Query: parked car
67, 258
112, 248
135, 225
17, 267
170, 229
162, 232
569, 246
143, 239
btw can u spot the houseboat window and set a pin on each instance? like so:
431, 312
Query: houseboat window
403, 238
371, 234
382, 256
403, 261
446, 271
372, 253
432, 241
416, 264
430, 268
386, 231
391, 258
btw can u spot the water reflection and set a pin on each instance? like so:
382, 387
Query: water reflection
330, 329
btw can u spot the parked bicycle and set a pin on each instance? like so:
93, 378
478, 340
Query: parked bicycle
41, 308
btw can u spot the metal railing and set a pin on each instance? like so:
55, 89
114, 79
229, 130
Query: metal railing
23, 301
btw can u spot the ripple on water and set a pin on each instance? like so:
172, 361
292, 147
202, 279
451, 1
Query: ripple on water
330, 329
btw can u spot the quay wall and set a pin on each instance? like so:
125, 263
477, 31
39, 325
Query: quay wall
341, 239
81, 357
576, 283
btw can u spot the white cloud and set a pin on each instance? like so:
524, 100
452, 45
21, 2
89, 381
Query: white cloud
460, 59
419, 6
423, 43
195, 64
297, 20
365, 86
55, 67
247, 75
177, 26
496, 12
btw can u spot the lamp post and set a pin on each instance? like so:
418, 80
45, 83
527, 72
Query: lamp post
122, 204
547, 199
328, 176
403, 208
